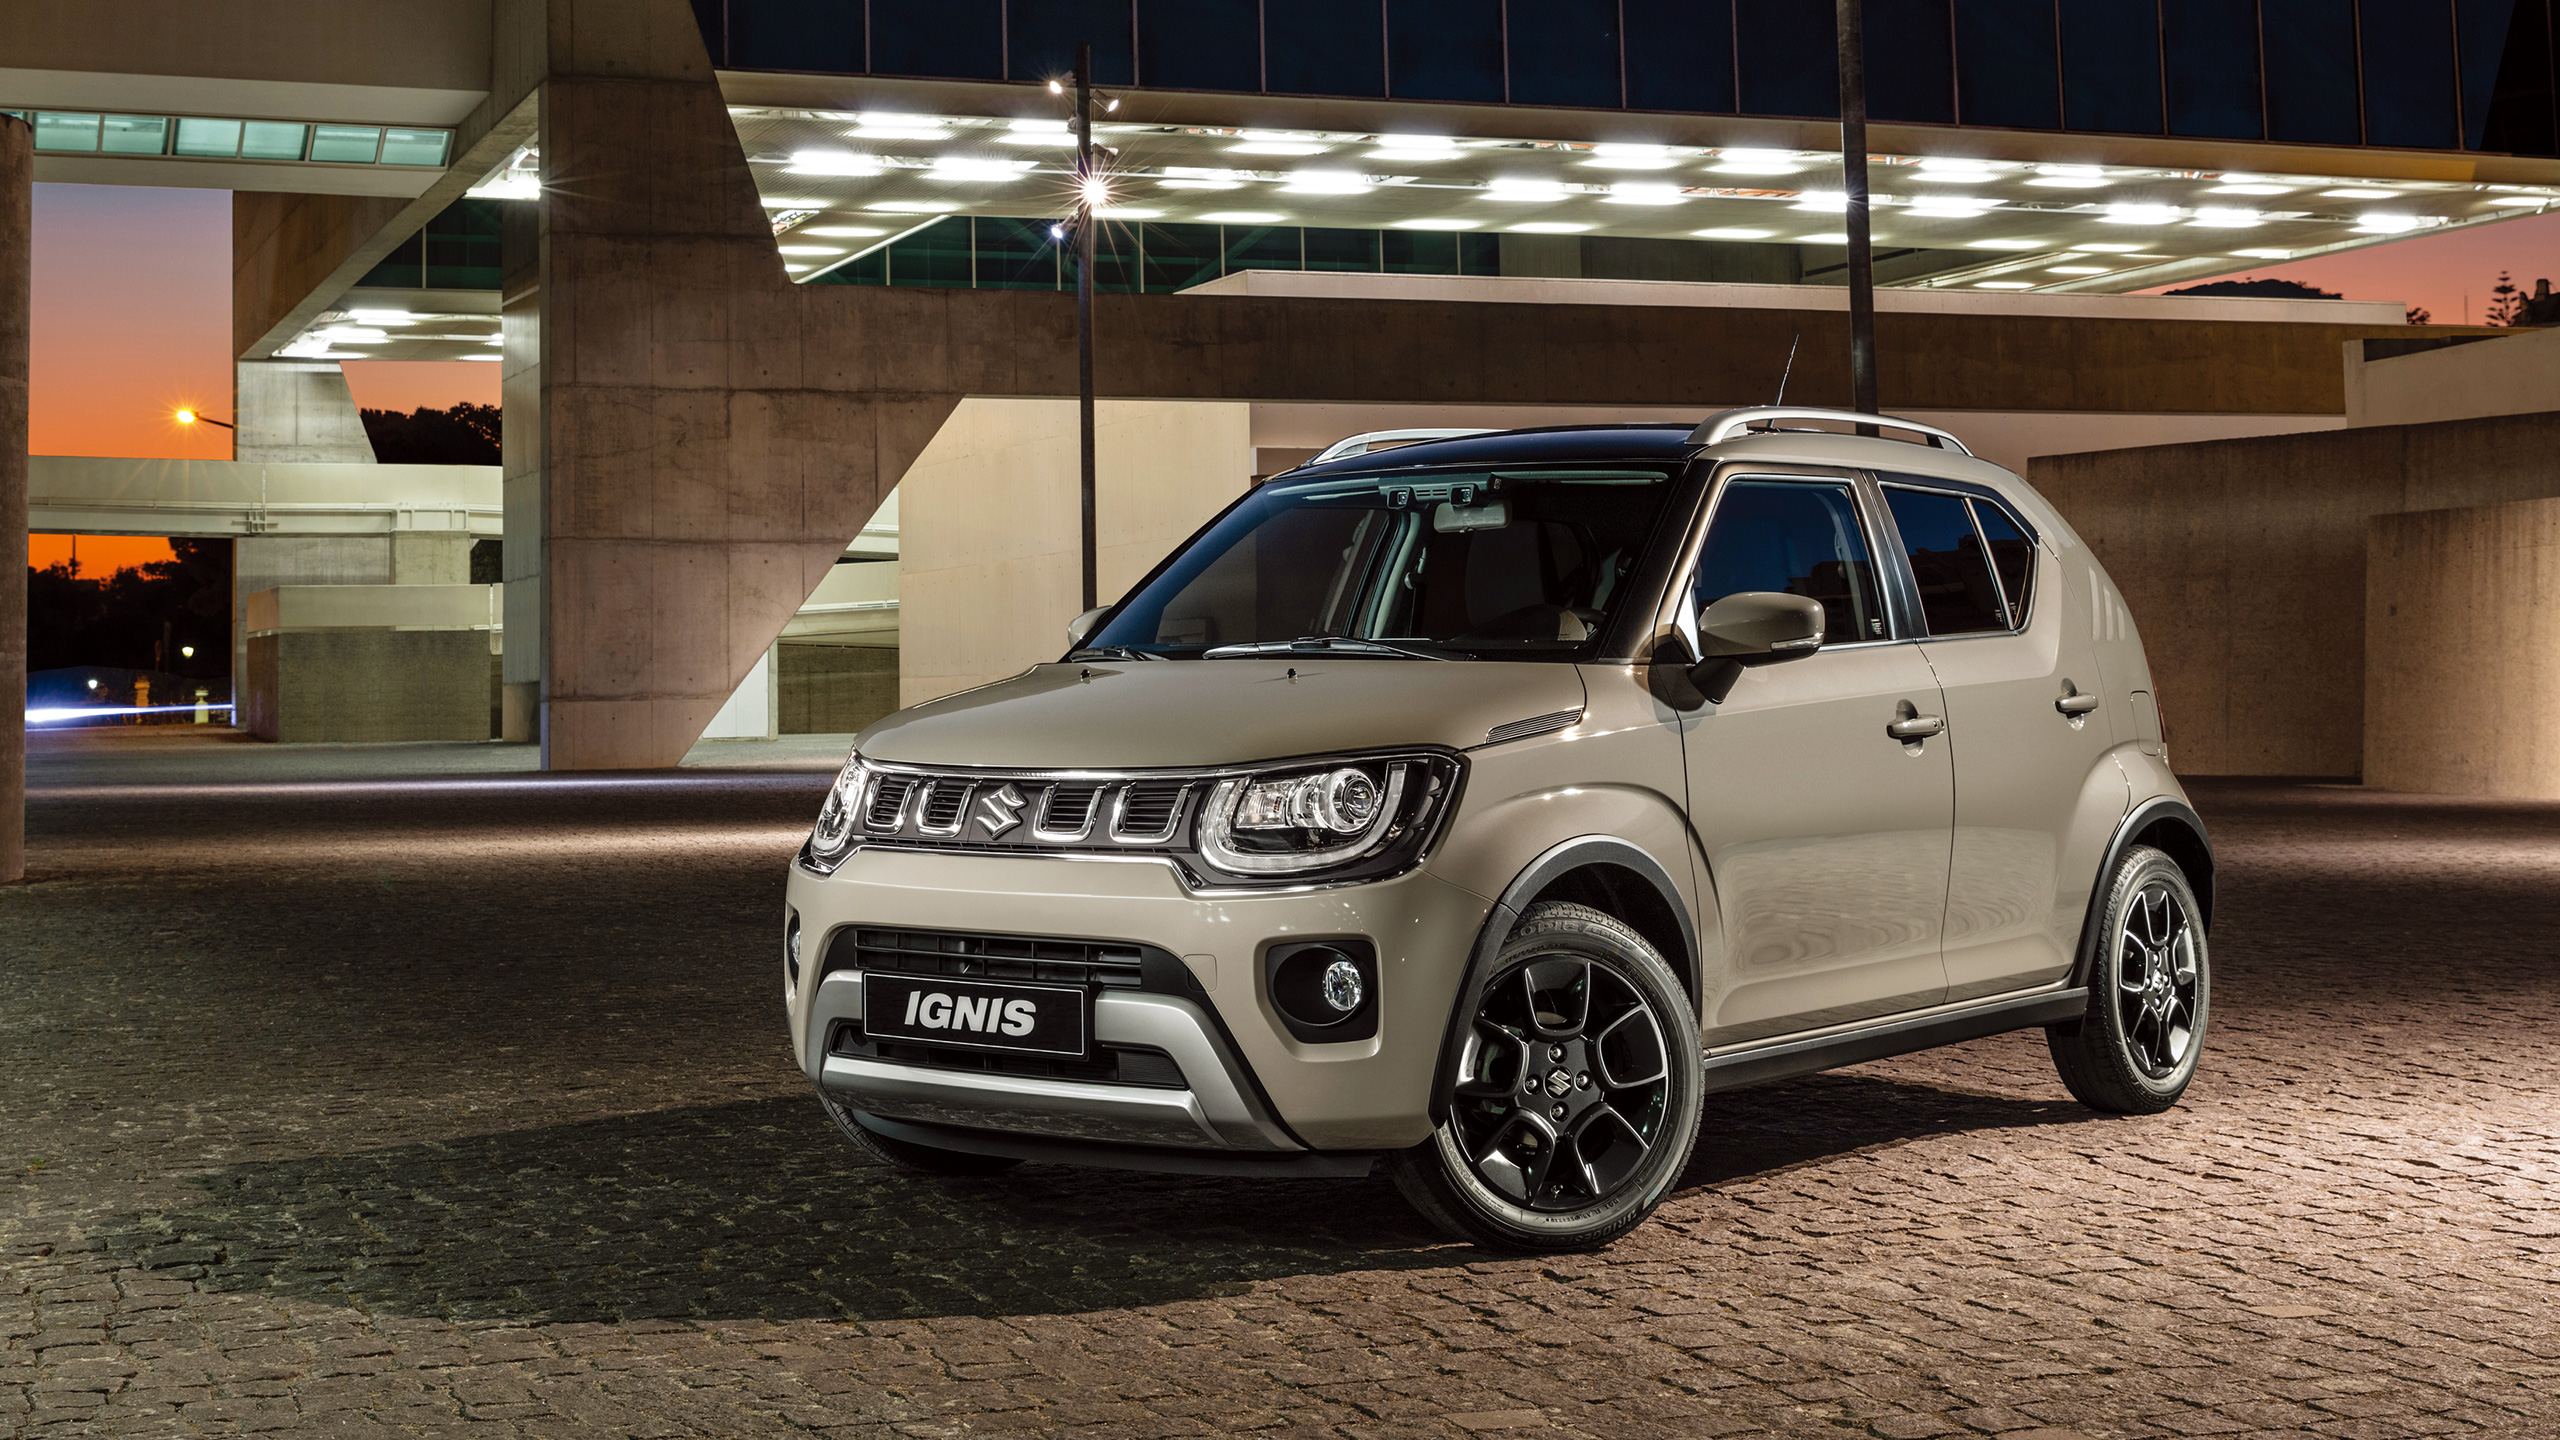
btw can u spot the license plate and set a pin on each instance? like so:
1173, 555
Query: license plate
1039, 1019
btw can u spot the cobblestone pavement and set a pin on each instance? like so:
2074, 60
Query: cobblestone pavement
461, 1106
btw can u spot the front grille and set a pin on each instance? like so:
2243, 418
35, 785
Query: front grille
1147, 811
1067, 813
940, 813
1109, 1064
990, 957
888, 803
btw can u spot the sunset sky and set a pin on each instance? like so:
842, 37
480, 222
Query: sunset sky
133, 321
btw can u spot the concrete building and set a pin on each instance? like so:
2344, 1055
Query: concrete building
747, 266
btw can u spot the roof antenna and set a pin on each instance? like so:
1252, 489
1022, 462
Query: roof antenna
1790, 370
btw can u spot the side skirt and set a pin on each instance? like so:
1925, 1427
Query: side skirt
1786, 1059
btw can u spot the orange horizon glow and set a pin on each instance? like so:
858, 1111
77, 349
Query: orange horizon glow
100, 555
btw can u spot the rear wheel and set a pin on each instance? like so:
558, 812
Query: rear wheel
1577, 1093
907, 1154
2150, 990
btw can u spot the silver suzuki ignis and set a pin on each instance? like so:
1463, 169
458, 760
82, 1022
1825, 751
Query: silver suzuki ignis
1481, 806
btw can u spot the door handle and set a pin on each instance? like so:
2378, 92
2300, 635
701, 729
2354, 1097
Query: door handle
1916, 727
2076, 706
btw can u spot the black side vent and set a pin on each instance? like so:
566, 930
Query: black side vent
942, 806
1069, 807
888, 801
1148, 812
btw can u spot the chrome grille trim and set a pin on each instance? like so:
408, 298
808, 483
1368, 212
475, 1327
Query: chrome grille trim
1120, 806
937, 794
884, 810
1044, 826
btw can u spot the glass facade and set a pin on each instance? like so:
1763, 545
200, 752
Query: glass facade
2430, 74
987, 252
460, 249
205, 138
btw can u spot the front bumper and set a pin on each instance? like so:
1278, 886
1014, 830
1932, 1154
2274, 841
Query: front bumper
1216, 1107
1248, 1086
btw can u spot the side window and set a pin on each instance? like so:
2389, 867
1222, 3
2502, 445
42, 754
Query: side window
2013, 558
1957, 593
1795, 538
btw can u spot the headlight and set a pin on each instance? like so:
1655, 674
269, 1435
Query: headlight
833, 838
1361, 816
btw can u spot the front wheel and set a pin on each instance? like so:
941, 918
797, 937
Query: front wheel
1577, 1091
2150, 990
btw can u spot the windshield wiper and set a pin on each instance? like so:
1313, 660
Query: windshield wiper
1111, 652
1316, 644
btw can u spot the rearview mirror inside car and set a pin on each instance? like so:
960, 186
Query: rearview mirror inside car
1453, 519
1754, 627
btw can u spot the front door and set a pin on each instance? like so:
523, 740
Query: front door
1825, 837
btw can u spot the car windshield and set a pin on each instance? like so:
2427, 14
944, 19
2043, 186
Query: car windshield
1514, 564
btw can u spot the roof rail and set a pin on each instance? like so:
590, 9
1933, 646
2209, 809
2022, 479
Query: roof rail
1725, 424
1362, 444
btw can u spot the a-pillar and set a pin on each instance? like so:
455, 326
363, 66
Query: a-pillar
17, 222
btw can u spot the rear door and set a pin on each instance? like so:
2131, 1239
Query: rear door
2036, 795
1825, 838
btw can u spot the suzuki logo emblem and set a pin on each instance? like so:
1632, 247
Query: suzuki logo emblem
1000, 810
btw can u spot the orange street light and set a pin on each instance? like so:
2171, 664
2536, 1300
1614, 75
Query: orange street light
190, 417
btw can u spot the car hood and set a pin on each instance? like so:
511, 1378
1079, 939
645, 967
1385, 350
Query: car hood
1144, 714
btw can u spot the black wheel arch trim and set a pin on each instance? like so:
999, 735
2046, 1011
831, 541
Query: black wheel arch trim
2140, 821
1516, 898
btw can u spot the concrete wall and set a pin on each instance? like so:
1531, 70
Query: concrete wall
989, 527
346, 685
2244, 564
17, 259
295, 411
2462, 651
2516, 373
834, 689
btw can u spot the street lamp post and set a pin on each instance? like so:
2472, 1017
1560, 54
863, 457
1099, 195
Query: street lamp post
190, 417
1853, 167
1087, 182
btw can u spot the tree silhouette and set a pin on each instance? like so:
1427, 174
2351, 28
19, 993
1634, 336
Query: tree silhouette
466, 434
2506, 302
2419, 315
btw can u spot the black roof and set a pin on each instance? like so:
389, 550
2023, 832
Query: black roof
1654, 441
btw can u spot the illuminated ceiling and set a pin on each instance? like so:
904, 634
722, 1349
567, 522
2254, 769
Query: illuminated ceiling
842, 182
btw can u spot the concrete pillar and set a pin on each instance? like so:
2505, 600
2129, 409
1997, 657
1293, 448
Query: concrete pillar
17, 238
296, 410
520, 424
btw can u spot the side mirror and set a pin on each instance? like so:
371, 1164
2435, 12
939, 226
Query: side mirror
1082, 625
1754, 627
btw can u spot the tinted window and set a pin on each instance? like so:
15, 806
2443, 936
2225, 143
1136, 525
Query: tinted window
2005, 59
2111, 66
1679, 54
795, 35
1795, 539
1445, 50
1565, 52
2408, 74
1325, 47
2506, 75
1790, 58
2311, 71
1911, 73
2012, 558
2212, 68
1957, 596
1043, 35
1180, 256
958, 39
1200, 44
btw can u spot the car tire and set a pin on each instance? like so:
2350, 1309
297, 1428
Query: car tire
907, 1154
1567, 1126
2150, 993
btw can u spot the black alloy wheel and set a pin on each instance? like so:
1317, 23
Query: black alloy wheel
1575, 1102
2135, 1050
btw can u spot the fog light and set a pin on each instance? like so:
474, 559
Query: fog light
1341, 986
791, 958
